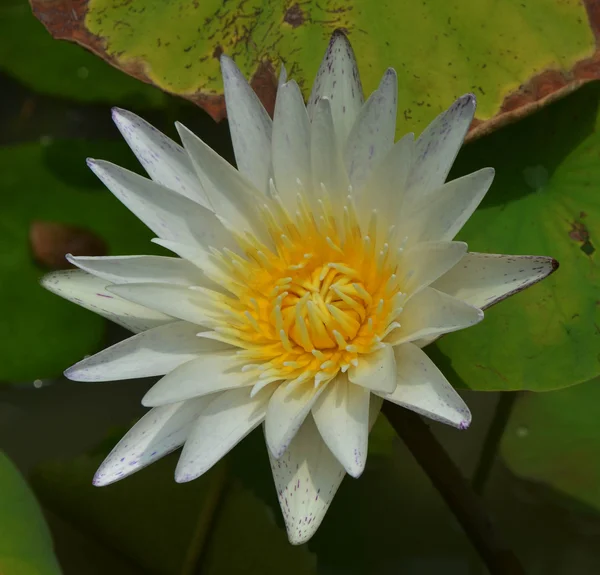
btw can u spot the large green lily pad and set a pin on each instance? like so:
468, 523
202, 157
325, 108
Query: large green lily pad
515, 55
29, 53
41, 333
545, 201
554, 439
25, 543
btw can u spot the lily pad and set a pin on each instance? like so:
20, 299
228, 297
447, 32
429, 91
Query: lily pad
545, 201
515, 56
43, 334
554, 439
28, 53
25, 544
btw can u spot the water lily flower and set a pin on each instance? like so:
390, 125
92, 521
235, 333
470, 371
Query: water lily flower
305, 285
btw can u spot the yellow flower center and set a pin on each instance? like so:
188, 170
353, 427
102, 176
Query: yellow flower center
324, 293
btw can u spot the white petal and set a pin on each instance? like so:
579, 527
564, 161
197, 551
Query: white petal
441, 216
285, 414
249, 124
160, 431
291, 143
338, 80
342, 417
213, 276
376, 371
137, 269
232, 196
90, 292
209, 373
282, 76
168, 214
485, 279
438, 145
166, 162
220, 427
178, 301
153, 352
431, 312
372, 135
385, 189
325, 153
375, 404
424, 263
423, 388
306, 477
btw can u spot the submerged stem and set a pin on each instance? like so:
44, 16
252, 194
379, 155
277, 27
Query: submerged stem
455, 490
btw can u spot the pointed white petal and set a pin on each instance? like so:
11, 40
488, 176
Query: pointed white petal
375, 403
424, 263
168, 214
444, 212
342, 417
220, 427
282, 76
338, 80
291, 143
90, 292
372, 135
153, 352
385, 188
485, 279
232, 196
200, 258
249, 124
306, 477
177, 301
430, 313
325, 153
166, 162
423, 388
138, 269
438, 145
160, 431
208, 374
285, 414
376, 371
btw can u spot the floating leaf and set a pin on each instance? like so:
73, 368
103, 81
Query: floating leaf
42, 333
544, 201
514, 56
29, 53
554, 439
25, 543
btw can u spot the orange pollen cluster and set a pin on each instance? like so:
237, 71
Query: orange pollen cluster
321, 296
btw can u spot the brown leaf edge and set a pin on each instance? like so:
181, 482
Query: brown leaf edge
65, 19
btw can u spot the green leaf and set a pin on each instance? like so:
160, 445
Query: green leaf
554, 439
42, 334
25, 543
29, 53
544, 201
512, 55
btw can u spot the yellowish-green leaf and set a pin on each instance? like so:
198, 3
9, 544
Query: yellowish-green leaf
513, 54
